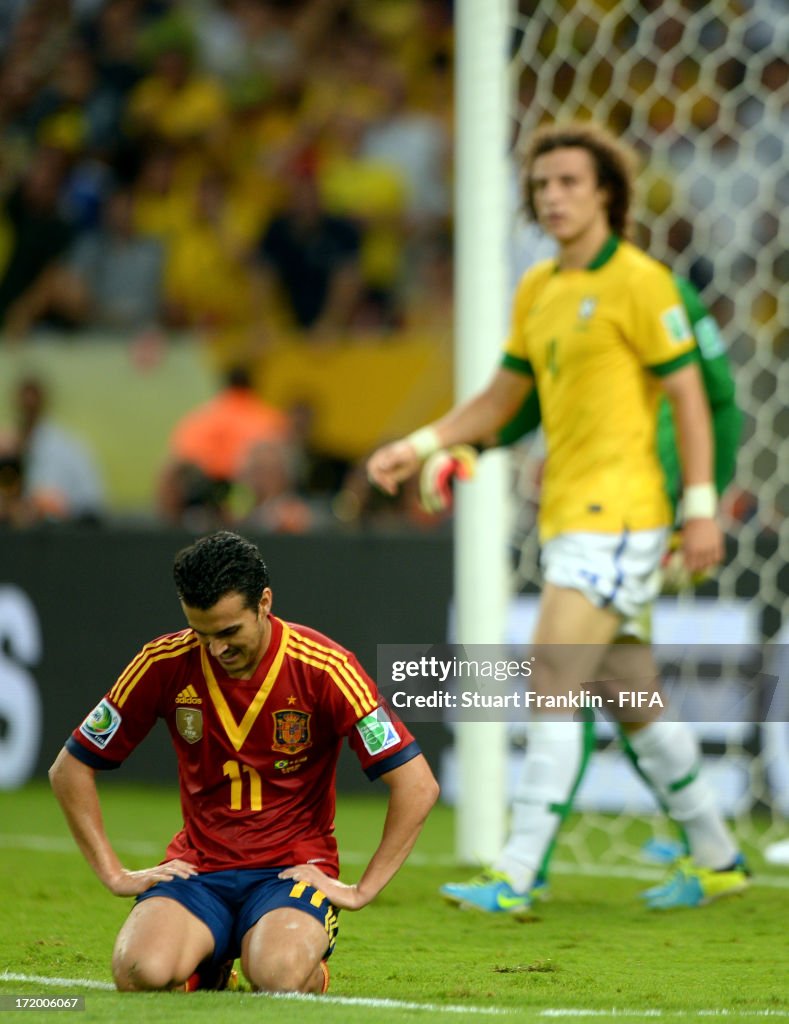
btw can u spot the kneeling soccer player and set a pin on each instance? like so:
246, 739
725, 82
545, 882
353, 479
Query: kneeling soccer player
257, 709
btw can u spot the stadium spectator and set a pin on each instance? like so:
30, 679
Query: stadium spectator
264, 133
38, 236
254, 871
175, 102
40, 34
344, 73
238, 39
161, 199
17, 93
112, 37
321, 472
269, 484
208, 282
16, 509
308, 259
372, 193
604, 511
430, 297
75, 110
207, 449
418, 144
110, 279
120, 271
61, 478
219, 39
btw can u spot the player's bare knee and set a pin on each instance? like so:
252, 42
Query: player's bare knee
282, 976
289, 969
136, 977
142, 974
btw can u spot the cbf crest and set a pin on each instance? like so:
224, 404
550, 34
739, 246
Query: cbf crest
291, 731
587, 307
189, 723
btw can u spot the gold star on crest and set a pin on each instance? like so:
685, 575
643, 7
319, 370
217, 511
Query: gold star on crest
291, 700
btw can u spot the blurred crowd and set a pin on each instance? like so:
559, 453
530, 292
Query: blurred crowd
262, 171
254, 170
220, 164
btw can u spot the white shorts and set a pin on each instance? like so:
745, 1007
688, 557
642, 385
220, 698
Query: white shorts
612, 570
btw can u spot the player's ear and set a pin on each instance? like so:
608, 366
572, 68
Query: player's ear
266, 600
606, 197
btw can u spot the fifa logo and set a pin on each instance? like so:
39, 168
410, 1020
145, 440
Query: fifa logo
189, 724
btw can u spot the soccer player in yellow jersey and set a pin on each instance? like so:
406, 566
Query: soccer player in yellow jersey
601, 332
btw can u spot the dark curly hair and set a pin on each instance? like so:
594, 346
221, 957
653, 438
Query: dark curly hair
220, 564
614, 162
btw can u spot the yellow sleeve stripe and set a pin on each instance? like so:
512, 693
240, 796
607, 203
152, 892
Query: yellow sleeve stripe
331, 659
336, 657
144, 655
170, 647
360, 710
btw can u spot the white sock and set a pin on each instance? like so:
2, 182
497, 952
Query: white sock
554, 757
669, 756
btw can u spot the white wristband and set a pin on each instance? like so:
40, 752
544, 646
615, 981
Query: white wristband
699, 501
424, 442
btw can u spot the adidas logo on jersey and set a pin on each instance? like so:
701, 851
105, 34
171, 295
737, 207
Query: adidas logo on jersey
188, 696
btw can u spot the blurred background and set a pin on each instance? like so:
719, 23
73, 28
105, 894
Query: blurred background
194, 188
226, 274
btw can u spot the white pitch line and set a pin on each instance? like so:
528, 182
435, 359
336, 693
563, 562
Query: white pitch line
63, 844
575, 1012
378, 1004
660, 1014
40, 979
385, 1004
396, 1004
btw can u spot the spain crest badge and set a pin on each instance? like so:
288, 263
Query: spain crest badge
291, 731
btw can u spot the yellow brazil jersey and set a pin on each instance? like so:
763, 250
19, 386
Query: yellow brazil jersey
596, 342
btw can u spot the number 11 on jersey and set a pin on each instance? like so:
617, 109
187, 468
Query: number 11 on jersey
233, 769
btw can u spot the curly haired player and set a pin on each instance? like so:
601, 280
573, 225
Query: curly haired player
599, 335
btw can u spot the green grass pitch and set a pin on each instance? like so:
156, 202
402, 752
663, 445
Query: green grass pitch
592, 953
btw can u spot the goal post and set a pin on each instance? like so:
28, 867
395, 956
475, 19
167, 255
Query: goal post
700, 91
482, 577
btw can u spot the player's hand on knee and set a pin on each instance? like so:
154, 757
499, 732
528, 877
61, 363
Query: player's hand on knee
132, 883
439, 473
702, 544
344, 897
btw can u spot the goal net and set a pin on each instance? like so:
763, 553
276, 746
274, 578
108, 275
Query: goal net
700, 91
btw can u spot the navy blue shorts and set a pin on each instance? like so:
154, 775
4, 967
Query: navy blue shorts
231, 902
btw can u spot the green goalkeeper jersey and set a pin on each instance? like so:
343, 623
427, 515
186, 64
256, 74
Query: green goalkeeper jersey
718, 383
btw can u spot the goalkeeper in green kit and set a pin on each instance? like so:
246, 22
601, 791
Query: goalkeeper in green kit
630, 656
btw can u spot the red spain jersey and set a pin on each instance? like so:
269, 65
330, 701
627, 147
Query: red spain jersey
256, 757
